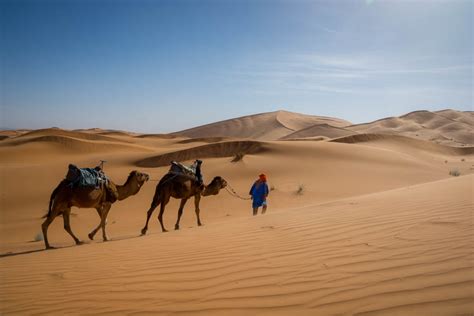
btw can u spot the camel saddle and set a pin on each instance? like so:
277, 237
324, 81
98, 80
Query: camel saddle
92, 178
177, 167
193, 171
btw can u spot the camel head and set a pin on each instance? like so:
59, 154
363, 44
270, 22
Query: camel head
133, 184
215, 186
139, 177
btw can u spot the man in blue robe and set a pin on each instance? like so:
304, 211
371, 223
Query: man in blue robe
259, 193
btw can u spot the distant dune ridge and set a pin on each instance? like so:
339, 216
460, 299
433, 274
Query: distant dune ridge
449, 127
366, 219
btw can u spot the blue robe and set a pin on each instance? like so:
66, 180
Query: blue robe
259, 191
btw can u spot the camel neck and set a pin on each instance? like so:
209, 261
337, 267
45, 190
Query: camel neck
210, 190
126, 190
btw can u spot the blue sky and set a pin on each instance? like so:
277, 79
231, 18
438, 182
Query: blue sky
162, 66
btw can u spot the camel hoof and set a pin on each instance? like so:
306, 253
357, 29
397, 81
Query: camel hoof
165, 231
199, 224
91, 236
50, 247
144, 231
79, 242
105, 239
176, 227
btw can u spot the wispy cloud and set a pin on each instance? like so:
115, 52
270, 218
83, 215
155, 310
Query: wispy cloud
348, 74
328, 30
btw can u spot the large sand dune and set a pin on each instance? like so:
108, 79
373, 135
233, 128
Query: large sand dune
364, 224
265, 126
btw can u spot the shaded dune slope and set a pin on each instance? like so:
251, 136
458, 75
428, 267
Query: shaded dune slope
159, 136
203, 140
224, 149
324, 130
405, 142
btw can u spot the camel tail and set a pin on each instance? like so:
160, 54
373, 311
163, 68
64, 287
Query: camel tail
51, 200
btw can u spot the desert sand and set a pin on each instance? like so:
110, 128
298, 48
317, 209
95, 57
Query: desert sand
365, 223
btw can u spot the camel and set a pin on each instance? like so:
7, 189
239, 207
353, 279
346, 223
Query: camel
181, 186
64, 197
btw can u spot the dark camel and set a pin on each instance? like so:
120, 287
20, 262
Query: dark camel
181, 186
64, 197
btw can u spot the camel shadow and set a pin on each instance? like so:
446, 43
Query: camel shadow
26, 252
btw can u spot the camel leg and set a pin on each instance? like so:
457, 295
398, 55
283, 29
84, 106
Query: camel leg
180, 212
95, 230
154, 204
162, 210
55, 211
67, 225
44, 227
103, 221
197, 199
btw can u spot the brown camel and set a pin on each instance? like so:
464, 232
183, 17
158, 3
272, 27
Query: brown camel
181, 186
64, 197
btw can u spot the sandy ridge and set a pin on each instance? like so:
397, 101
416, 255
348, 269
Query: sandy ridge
452, 128
324, 130
66, 133
404, 141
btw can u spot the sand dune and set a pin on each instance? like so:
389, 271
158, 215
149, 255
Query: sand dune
203, 140
48, 147
466, 117
324, 130
106, 132
265, 126
370, 255
364, 224
223, 149
12, 133
72, 134
410, 144
447, 127
163, 136
73, 144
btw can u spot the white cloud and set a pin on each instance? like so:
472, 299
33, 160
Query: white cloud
353, 74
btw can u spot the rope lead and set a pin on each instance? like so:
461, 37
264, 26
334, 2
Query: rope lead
233, 193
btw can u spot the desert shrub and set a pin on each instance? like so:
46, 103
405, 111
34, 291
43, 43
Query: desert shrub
272, 188
300, 189
238, 157
454, 173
